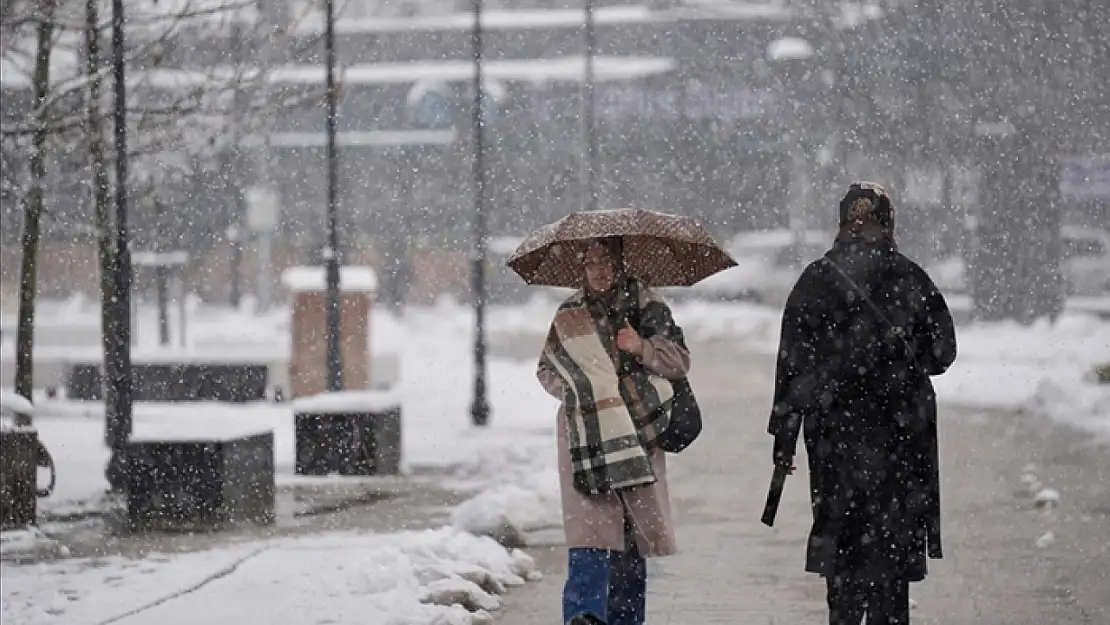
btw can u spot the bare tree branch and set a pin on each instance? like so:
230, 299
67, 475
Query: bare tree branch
193, 114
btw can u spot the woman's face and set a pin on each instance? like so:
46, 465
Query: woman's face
601, 268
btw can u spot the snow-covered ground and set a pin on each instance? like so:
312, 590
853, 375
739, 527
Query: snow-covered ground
435, 577
399, 578
1043, 368
392, 579
435, 390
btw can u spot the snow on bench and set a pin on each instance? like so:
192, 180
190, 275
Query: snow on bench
348, 432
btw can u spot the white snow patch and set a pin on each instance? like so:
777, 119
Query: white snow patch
512, 510
347, 402
30, 540
89, 591
170, 431
12, 404
1044, 368
351, 279
1046, 540
542, 70
789, 48
498, 19
1047, 498
362, 138
1077, 403
409, 578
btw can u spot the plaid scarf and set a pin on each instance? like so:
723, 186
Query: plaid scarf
615, 407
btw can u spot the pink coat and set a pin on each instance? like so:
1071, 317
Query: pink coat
598, 521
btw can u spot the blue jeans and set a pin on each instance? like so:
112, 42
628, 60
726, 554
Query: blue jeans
608, 585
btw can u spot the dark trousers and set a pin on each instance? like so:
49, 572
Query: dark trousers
884, 603
610, 586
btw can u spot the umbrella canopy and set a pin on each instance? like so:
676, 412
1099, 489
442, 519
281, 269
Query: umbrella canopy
659, 249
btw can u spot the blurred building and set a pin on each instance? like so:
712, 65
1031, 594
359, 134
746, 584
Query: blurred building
748, 115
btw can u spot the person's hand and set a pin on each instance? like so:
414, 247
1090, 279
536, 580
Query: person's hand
629, 341
782, 460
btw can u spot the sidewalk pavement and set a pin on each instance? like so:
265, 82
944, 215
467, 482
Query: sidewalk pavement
304, 508
732, 569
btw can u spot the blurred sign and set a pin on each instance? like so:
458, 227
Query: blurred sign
263, 208
1085, 177
694, 100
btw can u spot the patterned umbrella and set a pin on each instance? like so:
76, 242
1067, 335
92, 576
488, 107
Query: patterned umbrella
660, 249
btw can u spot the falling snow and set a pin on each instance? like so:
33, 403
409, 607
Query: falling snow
234, 178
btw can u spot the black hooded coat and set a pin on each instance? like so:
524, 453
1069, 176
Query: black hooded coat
862, 398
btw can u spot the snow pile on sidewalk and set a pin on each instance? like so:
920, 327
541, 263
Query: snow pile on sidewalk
1043, 367
508, 512
1082, 405
440, 577
29, 542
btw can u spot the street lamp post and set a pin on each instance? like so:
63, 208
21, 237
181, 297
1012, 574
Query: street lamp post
331, 248
161, 272
480, 409
589, 162
117, 365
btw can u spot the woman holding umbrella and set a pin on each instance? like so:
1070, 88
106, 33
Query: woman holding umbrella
618, 362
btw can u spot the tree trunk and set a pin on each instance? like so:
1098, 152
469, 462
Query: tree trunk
28, 274
99, 178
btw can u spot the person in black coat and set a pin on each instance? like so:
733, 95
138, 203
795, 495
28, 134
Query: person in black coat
862, 331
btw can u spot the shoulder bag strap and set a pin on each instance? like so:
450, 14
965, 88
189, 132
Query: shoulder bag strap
878, 312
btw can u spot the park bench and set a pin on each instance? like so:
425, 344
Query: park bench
177, 381
348, 433
200, 482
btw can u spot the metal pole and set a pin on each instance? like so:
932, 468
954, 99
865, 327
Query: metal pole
589, 163
161, 274
119, 369
235, 290
331, 250
182, 329
231, 164
162, 279
480, 410
265, 258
